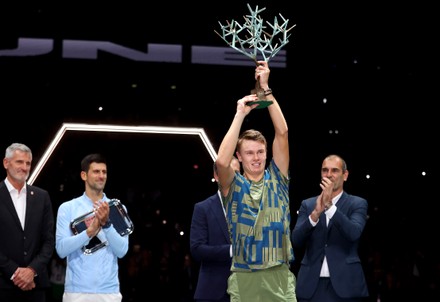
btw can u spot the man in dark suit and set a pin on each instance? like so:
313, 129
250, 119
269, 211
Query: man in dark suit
26, 231
210, 244
330, 226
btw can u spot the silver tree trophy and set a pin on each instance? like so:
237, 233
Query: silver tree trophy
252, 40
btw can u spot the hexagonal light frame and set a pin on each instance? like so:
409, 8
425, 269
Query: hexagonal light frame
118, 128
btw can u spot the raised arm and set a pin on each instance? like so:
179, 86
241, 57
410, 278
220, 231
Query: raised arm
280, 146
228, 146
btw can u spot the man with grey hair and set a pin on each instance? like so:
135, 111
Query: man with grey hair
26, 231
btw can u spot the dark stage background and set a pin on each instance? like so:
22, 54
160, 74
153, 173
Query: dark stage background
360, 80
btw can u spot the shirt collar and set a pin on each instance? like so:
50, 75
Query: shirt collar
336, 198
11, 187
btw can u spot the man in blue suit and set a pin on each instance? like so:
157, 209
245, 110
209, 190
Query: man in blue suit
210, 244
330, 226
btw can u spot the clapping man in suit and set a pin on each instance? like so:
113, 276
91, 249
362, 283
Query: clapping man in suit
210, 244
330, 226
26, 231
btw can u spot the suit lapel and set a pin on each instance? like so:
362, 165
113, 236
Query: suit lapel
220, 216
29, 205
341, 204
8, 203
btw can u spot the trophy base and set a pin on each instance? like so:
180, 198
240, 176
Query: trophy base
261, 104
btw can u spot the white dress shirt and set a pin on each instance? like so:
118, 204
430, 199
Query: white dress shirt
328, 215
19, 200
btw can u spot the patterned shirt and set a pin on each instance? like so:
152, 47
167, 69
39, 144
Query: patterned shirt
258, 215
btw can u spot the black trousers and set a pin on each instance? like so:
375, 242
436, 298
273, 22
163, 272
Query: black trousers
18, 295
326, 293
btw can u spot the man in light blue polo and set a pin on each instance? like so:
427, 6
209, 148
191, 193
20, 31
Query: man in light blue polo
90, 276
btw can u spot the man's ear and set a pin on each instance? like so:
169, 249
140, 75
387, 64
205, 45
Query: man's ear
237, 154
345, 175
83, 175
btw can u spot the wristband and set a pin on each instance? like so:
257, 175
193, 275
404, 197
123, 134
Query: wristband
107, 224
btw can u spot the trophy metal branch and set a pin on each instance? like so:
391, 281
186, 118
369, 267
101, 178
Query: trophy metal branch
252, 40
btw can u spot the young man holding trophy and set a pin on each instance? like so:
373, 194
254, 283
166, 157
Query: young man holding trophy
257, 203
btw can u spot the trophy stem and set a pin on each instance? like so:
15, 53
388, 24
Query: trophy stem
262, 102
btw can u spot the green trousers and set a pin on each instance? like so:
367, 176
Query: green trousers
276, 284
